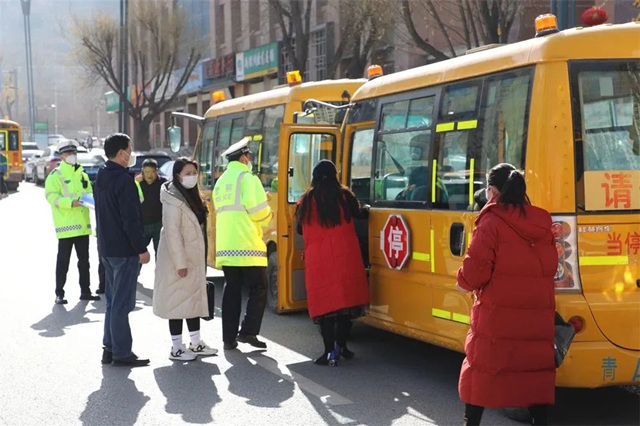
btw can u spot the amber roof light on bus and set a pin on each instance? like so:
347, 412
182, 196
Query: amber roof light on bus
218, 96
374, 71
546, 24
294, 77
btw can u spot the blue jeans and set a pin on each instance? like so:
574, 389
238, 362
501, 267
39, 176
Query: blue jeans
121, 275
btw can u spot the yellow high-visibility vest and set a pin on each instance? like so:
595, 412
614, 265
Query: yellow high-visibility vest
242, 210
63, 185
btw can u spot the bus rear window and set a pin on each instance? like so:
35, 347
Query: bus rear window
606, 110
13, 141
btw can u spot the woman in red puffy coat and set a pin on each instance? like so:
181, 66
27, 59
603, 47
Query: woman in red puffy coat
335, 278
510, 267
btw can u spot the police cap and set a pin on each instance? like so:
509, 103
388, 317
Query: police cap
238, 148
67, 145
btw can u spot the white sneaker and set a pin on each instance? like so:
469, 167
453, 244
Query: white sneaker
182, 354
202, 349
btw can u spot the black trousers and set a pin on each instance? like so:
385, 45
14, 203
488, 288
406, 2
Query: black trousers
102, 282
65, 246
255, 277
335, 329
473, 414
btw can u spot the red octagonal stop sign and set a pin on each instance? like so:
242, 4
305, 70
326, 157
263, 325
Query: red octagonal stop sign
394, 241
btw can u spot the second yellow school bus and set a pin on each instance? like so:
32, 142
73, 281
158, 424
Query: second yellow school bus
416, 145
259, 116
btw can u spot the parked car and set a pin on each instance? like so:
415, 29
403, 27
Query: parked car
91, 163
160, 157
28, 163
166, 170
48, 161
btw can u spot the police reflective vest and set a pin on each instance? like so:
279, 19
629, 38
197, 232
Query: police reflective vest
242, 210
63, 185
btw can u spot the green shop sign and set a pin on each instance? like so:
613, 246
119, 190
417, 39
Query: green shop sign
257, 62
112, 100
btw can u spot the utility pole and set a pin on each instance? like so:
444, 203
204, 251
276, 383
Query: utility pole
26, 10
124, 65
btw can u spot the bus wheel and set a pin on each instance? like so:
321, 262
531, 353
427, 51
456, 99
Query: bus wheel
272, 279
519, 414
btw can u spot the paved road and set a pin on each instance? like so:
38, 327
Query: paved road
51, 373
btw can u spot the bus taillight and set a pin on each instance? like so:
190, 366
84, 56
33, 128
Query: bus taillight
577, 323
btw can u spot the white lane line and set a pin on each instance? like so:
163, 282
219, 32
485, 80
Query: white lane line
327, 396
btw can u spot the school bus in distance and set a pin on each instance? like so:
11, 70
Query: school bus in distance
259, 117
416, 145
11, 147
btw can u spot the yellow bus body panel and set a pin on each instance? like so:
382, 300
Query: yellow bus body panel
420, 300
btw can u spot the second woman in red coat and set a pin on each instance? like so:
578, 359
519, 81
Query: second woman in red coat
335, 278
510, 267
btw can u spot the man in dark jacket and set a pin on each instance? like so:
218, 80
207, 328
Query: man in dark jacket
150, 184
121, 246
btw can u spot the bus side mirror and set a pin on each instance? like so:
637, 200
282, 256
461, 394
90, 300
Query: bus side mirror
174, 134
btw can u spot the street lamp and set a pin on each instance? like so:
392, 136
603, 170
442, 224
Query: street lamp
55, 117
26, 10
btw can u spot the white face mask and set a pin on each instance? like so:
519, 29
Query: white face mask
132, 160
189, 181
71, 160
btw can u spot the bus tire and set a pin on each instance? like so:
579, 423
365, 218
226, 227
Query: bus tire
272, 280
519, 414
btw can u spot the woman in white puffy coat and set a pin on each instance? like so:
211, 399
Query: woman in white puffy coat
180, 284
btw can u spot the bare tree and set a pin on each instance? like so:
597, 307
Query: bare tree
157, 34
294, 20
363, 26
470, 23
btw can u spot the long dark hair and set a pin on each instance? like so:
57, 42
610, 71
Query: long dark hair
327, 194
191, 195
510, 184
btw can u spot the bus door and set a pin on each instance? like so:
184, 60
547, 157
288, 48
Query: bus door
204, 157
453, 184
356, 174
228, 131
305, 146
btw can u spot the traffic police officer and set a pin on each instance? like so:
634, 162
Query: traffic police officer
64, 188
242, 210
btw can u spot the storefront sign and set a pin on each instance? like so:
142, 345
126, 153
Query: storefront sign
219, 68
194, 81
257, 62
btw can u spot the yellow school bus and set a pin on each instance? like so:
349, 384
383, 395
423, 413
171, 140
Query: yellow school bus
416, 145
259, 116
11, 148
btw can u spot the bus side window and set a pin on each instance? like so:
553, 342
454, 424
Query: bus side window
452, 173
361, 155
13, 140
3, 143
403, 149
504, 115
205, 155
305, 150
270, 142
